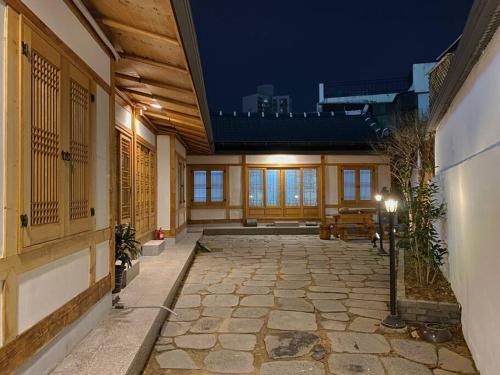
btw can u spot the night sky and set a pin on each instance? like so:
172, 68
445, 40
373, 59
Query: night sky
295, 44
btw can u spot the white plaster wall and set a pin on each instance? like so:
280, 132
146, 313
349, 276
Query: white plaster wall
208, 214
214, 159
44, 289
331, 185
236, 213
163, 170
123, 117
180, 149
45, 360
283, 159
467, 156
61, 20
143, 131
2, 114
345, 159
102, 160
383, 177
101, 260
235, 190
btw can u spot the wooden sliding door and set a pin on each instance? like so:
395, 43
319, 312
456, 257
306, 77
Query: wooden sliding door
277, 193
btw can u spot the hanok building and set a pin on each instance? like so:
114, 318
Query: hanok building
105, 121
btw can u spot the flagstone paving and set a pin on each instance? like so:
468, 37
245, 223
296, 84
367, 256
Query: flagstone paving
275, 305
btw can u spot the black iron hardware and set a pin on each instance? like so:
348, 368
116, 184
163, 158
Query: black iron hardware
25, 48
66, 155
92, 98
24, 220
92, 211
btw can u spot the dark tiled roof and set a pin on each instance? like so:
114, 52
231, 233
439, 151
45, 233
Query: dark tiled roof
313, 133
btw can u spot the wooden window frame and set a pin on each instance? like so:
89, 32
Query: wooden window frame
284, 211
208, 169
357, 168
34, 235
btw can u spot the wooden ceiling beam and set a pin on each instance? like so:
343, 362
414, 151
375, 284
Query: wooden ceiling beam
158, 64
170, 113
151, 82
166, 117
178, 102
159, 97
134, 30
195, 133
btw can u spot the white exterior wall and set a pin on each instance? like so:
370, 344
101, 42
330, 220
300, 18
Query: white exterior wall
46, 288
467, 156
146, 134
163, 181
123, 117
61, 20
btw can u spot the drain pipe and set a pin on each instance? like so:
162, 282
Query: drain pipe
119, 306
85, 12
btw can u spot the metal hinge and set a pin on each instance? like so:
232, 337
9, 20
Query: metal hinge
25, 48
66, 155
92, 98
92, 211
24, 220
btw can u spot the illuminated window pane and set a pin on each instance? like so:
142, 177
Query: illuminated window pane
292, 188
217, 186
309, 187
349, 184
200, 186
256, 188
273, 190
365, 180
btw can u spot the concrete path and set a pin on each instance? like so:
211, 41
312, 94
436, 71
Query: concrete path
290, 305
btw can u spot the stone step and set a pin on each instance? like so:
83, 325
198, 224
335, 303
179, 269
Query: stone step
286, 223
153, 247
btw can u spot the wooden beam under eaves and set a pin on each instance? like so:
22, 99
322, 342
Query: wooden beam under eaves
196, 132
134, 30
158, 64
151, 82
160, 98
165, 115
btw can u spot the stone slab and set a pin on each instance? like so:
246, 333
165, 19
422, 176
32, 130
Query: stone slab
291, 320
355, 364
292, 368
353, 342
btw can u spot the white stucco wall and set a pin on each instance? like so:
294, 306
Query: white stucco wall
145, 133
101, 260
467, 156
123, 117
163, 181
102, 160
61, 20
43, 290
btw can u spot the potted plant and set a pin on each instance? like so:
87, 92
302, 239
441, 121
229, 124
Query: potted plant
126, 250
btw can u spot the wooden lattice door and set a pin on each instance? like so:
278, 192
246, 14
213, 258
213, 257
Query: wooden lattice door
42, 209
79, 148
125, 180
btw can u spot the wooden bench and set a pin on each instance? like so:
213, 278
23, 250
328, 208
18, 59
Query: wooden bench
358, 222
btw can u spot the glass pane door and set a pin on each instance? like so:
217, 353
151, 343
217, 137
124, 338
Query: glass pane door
349, 184
256, 187
292, 187
365, 189
309, 187
273, 188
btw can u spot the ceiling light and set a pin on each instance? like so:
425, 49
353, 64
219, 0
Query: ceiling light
155, 105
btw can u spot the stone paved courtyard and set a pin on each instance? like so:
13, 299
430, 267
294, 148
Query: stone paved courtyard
289, 305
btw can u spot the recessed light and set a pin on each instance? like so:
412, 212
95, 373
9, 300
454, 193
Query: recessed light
155, 105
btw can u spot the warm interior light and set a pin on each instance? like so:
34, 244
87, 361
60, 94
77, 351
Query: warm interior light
155, 105
391, 205
378, 197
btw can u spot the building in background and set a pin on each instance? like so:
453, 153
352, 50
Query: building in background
264, 101
381, 97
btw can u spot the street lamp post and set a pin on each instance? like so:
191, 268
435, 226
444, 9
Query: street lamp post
378, 198
392, 320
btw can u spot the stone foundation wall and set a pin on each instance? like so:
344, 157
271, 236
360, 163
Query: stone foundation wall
423, 311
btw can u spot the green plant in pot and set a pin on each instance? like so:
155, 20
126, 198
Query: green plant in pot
126, 250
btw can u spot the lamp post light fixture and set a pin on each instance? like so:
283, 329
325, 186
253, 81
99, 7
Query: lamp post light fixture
392, 320
378, 198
